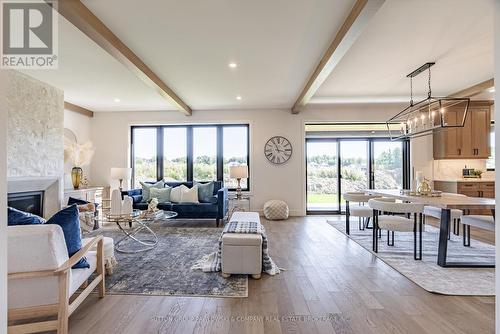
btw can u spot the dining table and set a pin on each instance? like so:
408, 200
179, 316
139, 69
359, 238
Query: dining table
446, 203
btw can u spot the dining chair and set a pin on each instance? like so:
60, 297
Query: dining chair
360, 209
397, 223
485, 222
455, 217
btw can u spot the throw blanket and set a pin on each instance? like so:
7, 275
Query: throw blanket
212, 262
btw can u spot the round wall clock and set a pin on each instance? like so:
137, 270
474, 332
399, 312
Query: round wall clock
278, 150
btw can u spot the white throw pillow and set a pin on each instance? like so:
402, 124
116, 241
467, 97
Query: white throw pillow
176, 193
189, 195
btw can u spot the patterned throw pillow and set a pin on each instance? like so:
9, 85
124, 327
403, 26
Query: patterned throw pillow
162, 195
145, 189
205, 192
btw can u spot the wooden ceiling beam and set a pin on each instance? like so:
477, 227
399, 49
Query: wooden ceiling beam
362, 12
475, 89
81, 17
78, 109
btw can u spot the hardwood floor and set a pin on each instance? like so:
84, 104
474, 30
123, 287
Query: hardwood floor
330, 285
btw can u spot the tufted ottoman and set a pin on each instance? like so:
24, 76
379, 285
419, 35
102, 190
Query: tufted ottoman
276, 210
109, 253
242, 252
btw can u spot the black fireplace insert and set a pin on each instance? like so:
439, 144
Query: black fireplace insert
31, 202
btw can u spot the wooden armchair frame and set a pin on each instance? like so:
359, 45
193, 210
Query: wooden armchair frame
63, 309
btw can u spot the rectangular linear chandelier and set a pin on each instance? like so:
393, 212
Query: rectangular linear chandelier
431, 114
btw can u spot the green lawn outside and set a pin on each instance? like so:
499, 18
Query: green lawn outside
321, 198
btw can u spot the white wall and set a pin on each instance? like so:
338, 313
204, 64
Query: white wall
79, 124
3, 203
110, 134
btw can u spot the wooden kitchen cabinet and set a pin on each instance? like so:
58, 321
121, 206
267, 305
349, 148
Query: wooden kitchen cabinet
475, 188
469, 142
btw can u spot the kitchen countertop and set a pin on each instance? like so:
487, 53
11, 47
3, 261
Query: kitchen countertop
467, 180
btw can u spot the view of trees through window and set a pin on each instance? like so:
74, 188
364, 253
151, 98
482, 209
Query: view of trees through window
205, 153
175, 156
144, 155
326, 157
235, 152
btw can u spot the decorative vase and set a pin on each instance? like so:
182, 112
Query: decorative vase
76, 176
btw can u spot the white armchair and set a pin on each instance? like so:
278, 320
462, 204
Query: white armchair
41, 280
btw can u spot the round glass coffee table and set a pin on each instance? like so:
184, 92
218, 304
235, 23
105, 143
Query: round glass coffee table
132, 242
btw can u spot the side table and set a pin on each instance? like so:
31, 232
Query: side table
238, 204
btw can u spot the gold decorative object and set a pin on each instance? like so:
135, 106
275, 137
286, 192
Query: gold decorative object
424, 188
76, 176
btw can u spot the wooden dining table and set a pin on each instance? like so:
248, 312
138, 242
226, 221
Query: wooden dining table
445, 203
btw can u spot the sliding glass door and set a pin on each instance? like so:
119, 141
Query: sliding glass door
354, 166
338, 165
322, 175
387, 164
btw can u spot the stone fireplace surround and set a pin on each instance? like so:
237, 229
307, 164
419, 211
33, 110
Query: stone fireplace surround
51, 186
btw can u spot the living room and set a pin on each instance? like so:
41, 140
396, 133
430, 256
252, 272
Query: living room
265, 167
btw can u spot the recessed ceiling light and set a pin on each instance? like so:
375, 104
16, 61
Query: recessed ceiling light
491, 90
238, 97
233, 65
117, 100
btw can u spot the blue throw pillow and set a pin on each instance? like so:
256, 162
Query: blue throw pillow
70, 223
205, 192
72, 200
18, 217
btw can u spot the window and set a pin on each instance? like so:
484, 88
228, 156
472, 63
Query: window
204, 153
234, 152
144, 155
490, 163
174, 154
189, 152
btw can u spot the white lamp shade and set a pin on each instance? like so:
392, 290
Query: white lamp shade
238, 172
120, 173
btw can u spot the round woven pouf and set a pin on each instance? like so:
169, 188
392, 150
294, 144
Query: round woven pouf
276, 210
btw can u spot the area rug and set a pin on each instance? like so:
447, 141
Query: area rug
166, 269
426, 273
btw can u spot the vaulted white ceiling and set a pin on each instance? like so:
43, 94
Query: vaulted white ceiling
404, 34
276, 45
189, 44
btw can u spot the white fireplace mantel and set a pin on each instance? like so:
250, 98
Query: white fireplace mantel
51, 186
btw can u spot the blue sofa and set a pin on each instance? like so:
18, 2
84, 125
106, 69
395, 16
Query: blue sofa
216, 209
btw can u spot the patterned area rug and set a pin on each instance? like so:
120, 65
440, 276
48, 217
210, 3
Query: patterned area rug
166, 269
426, 273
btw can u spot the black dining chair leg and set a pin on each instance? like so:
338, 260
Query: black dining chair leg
415, 235
367, 223
347, 218
374, 234
389, 241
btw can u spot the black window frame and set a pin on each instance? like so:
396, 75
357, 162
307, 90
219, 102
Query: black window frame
189, 149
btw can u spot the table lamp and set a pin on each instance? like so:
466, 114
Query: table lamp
238, 172
121, 173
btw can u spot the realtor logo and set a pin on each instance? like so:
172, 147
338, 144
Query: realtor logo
29, 34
